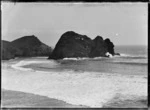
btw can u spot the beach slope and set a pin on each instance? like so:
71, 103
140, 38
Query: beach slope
16, 99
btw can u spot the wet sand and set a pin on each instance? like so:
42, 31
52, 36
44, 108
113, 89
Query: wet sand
128, 104
16, 99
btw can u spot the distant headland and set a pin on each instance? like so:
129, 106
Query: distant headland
27, 46
70, 45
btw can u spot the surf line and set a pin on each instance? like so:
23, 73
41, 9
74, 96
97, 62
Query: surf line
20, 64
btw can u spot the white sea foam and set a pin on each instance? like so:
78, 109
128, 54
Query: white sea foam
83, 58
139, 59
108, 54
132, 61
19, 65
79, 88
124, 55
129, 55
97, 58
43, 57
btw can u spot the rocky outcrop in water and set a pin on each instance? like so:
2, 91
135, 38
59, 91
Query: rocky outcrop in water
72, 44
27, 46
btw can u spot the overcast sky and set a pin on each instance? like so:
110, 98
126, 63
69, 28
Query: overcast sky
123, 23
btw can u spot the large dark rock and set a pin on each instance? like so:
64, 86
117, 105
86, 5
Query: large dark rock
72, 44
27, 46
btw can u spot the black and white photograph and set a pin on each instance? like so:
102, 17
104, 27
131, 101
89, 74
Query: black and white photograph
74, 55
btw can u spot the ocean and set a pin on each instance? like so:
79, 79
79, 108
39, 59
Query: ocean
119, 81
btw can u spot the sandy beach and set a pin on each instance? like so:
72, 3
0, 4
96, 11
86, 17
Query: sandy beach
68, 89
15, 99
21, 100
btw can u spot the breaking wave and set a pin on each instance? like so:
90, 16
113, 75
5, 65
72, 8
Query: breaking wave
122, 55
132, 56
20, 64
84, 58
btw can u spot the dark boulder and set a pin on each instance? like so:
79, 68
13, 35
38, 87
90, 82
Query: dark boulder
72, 44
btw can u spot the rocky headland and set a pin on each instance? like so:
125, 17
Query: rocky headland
72, 44
27, 46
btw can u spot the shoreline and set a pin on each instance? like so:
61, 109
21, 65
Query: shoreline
17, 99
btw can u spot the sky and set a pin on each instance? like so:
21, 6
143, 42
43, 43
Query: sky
123, 23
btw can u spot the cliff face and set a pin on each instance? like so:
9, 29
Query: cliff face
110, 46
72, 44
27, 46
100, 47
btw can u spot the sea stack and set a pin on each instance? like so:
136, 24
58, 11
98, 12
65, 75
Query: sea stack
74, 45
